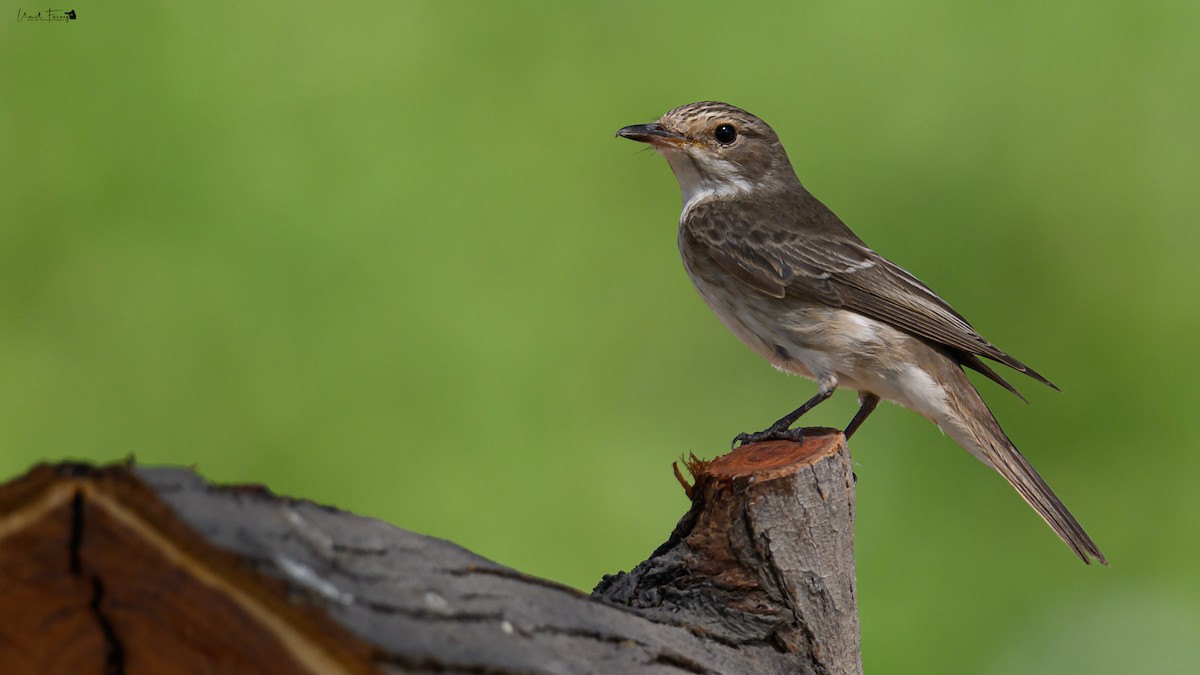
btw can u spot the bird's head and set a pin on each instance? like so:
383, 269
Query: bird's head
716, 149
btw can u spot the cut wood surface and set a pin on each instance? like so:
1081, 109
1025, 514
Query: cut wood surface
128, 570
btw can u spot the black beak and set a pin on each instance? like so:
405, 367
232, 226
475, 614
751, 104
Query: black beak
649, 133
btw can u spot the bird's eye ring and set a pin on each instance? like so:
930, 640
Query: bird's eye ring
725, 134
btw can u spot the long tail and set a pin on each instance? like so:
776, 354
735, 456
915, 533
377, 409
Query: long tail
977, 430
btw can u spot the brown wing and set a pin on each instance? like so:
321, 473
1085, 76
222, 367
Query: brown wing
830, 265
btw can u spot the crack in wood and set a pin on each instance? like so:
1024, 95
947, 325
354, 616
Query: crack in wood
683, 663
589, 634
114, 651
76, 541
506, 573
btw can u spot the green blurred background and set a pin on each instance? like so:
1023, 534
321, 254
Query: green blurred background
390, 257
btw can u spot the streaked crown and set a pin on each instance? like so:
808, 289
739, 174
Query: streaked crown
699, 121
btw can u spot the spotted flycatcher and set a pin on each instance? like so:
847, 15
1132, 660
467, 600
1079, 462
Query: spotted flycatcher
800, 289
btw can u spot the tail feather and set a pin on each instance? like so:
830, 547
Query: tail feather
1011, 464
977, 430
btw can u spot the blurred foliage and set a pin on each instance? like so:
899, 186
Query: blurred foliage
390, 257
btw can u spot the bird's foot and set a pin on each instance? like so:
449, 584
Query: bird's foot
775, 432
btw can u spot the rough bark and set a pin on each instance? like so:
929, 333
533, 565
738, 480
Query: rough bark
126, 569
765, 557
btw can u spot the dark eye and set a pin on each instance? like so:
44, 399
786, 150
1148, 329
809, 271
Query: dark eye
725, 134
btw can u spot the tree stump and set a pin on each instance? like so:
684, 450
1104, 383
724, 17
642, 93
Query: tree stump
764, 557
129, 570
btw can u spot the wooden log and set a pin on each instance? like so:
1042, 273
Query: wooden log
127, 570
764, 557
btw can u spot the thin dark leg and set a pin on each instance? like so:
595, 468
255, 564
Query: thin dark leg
866, 405
779, 431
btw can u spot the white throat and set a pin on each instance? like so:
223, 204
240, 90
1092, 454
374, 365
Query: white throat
721, 179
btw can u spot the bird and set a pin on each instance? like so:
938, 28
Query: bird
796, 285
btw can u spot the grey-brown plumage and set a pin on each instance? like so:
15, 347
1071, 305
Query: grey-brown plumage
787, 277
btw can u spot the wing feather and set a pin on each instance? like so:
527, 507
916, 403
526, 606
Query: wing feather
827, 263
